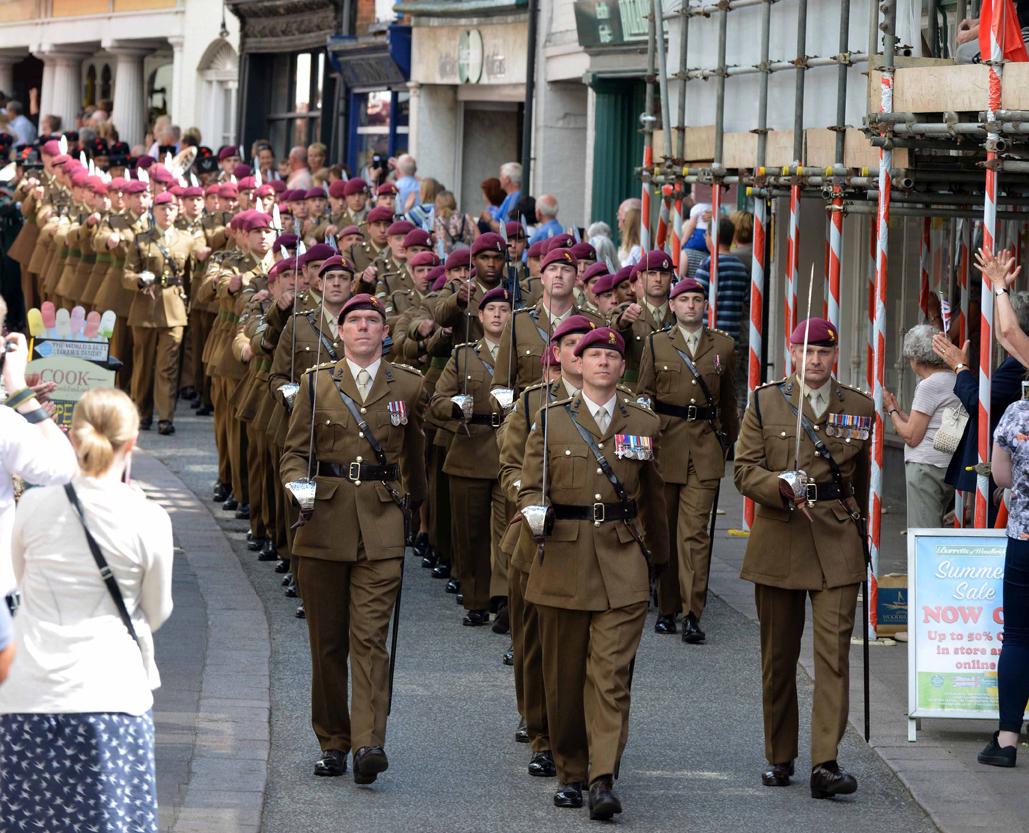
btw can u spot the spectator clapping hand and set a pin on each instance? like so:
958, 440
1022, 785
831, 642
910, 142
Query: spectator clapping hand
952, 355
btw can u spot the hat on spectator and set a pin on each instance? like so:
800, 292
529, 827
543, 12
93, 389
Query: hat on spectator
488, 242
603, 337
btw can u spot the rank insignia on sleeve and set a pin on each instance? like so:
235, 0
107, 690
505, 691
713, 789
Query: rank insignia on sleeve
848, 426
634, 447
397, 412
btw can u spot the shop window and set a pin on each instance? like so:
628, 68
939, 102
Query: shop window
299, 119
106, 92
380, 126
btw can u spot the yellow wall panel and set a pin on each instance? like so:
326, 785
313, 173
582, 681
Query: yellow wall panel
75, 8
15, 10
143, 5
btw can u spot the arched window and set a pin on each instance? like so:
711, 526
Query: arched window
89, 94
105, 83
158, 92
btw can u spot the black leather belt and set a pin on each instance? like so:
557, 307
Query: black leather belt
359, 471
690, 413
492, 420
596, 512
815, 492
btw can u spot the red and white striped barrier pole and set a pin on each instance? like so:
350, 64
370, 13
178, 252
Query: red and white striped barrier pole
873, 259
965, 232
677, 230
996, 69
757, 323
712, 233
835, 258
664, 216
923, 268
648, 160
792, 256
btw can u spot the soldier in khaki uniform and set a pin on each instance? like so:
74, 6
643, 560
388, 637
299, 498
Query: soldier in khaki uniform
529, 331
355, 192
401, 300
351, 548
590, 580
457, 302
472, 464
688, 373
375, 246
807, 541
650, 312
156, 268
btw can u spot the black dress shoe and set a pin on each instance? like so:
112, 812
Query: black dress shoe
995, 755
369, 761
509, 656
300, 614
254, 544
502, 624
195, 404
165, 428
828, 780
453, 586
282, 568
691, 632
332, 763
603, 802
268, 552
430, 559
220, 492
475, 618
146, 424
459, 598
521, 733
189, 393
569, 795
205, 410
287, 579
777, 775
542, 765
292, 591
231, 504
665, 624
243, 513
420, 547
441, 571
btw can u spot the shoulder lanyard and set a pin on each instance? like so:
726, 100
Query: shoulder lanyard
322, 337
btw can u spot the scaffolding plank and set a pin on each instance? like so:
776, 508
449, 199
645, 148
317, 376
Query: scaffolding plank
857, 151
934, 89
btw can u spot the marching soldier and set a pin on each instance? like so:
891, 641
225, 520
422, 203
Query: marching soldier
369, 469
471, 464
648, 314
688, 373
355, 193
374, 247
590, 579
157, 268
807, 541
529, 330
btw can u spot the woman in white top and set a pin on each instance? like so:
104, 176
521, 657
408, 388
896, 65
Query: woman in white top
929, 497
79, 697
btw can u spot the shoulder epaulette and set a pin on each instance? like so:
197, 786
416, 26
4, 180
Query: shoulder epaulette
322, 366
408, 368
533, 386
520, 310
624, 388
561, 401
774, 383
864, 393
720, 332
465, 344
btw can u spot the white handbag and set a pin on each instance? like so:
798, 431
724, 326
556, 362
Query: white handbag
951, 430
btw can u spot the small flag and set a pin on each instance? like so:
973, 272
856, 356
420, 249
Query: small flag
944, 311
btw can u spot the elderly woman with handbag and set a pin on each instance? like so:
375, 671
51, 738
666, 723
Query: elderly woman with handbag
93, 560
931, 430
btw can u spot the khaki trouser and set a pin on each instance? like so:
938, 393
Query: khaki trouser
256, 476
781, 614
683, 581
222, 410
237, 445
503, 510
155, 363
122, 348
348, 607
440, 529
471, 500
530, 691
586, 660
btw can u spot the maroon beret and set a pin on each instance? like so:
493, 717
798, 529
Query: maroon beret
118, 184
688, 285
655, 261
458, 258
496, 295
417, 237
361, 301
278, 186
436, 273
284, 265
134, 186
423, 259
319, 251
51, 148
211, 189
159, 173
61, 159
488, 242
164, 199
621, 276
822, 333
558, 255
336, 263
386, 190
228, 190
355, 186
263, 191
350, 230
595, 270
175, 190
286, 241
296, 195
380, 214
78, 179
560, 241
515, 230
601, 337
242, 170
572, 324
538, 249
338, 189
285, 209
246, 183
258, 220
192, 191
145, 161
439, 281
584, 251
227, 151
398, 228
314, 194
603, 284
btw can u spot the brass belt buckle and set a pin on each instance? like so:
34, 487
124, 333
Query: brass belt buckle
811, 493
599, 514
354, 472
495, 419
691, 413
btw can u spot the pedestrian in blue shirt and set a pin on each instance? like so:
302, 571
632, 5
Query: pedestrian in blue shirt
546, 213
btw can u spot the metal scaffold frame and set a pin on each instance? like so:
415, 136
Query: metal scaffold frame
953, 173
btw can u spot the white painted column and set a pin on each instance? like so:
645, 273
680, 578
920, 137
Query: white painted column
177, 92
129, 114
231, 130
64, 81
46, 91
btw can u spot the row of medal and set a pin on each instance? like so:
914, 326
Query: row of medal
848, 426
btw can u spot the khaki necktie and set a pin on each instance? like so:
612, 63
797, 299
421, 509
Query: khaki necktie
600, 417
817, 404
364, 382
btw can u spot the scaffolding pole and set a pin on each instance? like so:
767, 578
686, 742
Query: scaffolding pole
835, 248
923, 267
716, 167
793, 249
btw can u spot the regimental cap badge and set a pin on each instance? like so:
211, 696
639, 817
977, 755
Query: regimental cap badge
612, 338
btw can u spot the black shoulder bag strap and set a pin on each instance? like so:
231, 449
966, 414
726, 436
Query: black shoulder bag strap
485, 364
822, 450
326, 344
609, 473
536, 321
712, 402
102, 565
